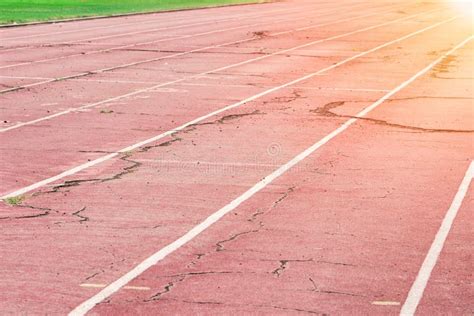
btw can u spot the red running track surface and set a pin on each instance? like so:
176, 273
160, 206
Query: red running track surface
122, 135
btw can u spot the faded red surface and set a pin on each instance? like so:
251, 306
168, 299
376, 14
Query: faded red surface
347, 227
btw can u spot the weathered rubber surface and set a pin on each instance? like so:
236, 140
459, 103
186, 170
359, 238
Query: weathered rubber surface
343, 232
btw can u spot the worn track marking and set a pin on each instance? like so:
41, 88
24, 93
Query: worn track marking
417, 289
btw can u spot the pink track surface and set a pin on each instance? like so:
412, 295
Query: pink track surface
345, 231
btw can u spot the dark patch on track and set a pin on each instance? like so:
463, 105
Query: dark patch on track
325, 110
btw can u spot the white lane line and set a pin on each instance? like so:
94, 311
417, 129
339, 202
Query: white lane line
237, 17
100, 286
175, 37
23, 77
200, 49
131, 33
416, 291
153, 20
209, 115
195, 231
330, 12
286, 12
350, 89
131, 45
205, 84
296, 87
136, 92
384, 303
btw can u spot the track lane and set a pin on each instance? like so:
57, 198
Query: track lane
206, 158
128, 40
450, 284
135, 47
76, 194
372, 238
54, 29
185, 70
72, 155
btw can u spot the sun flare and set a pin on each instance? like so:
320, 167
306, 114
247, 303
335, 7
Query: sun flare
464, 7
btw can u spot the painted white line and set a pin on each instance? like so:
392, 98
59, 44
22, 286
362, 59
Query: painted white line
195, 231
178, 37
148, 89
94, 162
416, 291
129, 287
200, 49
239, 18
22, 77
162, 28
236, 17
205, 84
383, 303
142, 22
128, 46
326, 13
295, 87
154, 20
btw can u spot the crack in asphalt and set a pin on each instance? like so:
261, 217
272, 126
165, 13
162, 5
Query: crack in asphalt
294, 309
295, 95
444, 66
202, 302
281, 268
261, 34
194, 261
134, 165
82, 218
249, 305
66, 184
166, 289
180, 278
6, 85
259, 212
325, 110
72, 183
220, 247
224, 119
220, 244
44, 212
188, 274
284, 265
96, 151
93, 275
252, 218
110, 266
318, 290
452, 78
214, 52
163, 144
336, 263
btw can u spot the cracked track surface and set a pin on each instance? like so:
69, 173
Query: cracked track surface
336, 233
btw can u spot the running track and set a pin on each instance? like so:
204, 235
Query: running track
284, 158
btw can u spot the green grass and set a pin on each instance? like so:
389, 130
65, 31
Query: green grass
21, 11
15, 200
